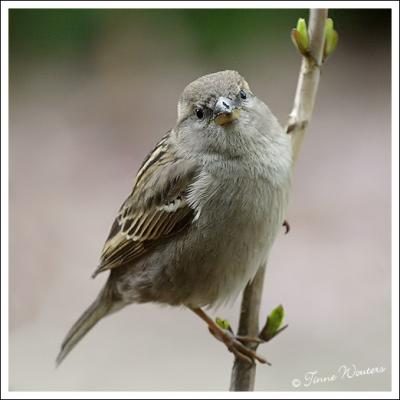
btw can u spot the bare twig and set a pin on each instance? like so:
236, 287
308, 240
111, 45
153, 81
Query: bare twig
243, 374
307, 85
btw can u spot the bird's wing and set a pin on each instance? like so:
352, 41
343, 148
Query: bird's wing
156, 209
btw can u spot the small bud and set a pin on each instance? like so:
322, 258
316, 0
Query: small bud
302, 29
328, 24
331, 38
223, 324
273, 325
300, 36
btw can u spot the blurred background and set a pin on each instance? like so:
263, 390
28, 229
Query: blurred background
91, 91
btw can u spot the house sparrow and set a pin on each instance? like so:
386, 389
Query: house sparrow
205, 208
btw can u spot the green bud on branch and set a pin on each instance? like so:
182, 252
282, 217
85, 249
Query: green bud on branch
300, 37
223, 324
331, 38
273, 324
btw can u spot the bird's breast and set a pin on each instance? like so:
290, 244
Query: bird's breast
239, 212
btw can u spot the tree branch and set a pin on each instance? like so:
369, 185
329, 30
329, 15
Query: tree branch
307, 85
243, 374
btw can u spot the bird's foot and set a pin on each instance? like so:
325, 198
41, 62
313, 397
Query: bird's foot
222, 331
236, 344
249, 339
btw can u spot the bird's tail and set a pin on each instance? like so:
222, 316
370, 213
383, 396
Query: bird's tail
102, 306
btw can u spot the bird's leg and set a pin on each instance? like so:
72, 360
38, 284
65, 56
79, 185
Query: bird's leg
232, 342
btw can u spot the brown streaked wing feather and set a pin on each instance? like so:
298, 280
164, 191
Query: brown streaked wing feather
156, 209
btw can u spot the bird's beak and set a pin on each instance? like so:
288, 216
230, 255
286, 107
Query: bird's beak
225, 112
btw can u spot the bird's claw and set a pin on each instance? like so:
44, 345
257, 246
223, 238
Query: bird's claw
236, 346
249, 339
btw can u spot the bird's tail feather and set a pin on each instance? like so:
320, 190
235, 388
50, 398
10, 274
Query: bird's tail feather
102, 306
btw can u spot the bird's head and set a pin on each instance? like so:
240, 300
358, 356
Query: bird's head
217, 111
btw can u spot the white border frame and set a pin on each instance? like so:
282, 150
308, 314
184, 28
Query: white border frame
6, 5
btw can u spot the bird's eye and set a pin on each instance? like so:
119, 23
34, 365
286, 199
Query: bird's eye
199, 113
243, 94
